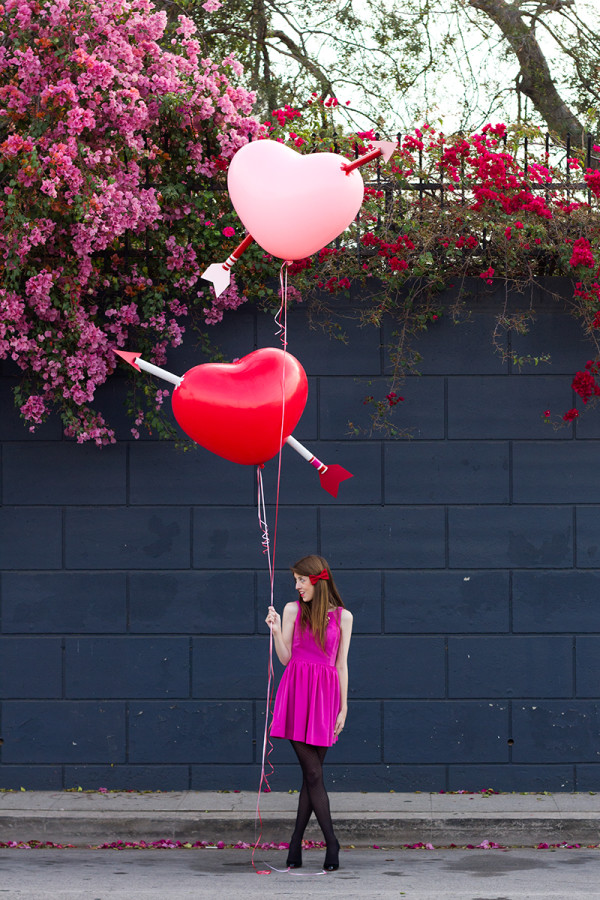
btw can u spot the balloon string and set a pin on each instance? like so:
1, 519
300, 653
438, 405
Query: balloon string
265, 761
281, 314
281, 320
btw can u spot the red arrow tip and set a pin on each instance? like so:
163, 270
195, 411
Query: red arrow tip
331, 479
129, 358
386, 147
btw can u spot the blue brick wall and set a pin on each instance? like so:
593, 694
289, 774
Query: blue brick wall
133, 587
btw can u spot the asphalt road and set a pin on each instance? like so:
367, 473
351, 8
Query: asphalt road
522, 874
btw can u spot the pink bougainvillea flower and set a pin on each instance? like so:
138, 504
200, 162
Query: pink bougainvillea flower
84, 123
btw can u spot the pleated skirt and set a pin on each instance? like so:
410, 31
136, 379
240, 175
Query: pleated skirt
307, 703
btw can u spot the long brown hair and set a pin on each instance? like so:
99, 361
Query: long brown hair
326, 595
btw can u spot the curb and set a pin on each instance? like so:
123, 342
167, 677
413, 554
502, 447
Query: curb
366, 829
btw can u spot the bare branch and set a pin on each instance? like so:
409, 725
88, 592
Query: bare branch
535, 78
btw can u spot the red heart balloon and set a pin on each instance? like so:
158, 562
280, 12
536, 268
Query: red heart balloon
235, 409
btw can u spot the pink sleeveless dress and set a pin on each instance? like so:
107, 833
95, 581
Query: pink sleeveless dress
308, 698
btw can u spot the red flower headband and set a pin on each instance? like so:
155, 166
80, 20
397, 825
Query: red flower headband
321, 576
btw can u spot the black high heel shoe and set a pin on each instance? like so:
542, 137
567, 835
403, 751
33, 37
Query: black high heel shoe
332, 858
294, 858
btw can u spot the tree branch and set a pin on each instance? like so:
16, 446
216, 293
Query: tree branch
535, 78
305, 62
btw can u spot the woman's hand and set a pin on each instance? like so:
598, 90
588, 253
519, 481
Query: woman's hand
339, 723
273, 620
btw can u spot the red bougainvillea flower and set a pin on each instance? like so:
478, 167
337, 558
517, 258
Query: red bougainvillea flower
582, 253
585, 385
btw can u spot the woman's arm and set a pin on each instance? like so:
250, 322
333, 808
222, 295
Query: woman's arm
342, 668
283, 630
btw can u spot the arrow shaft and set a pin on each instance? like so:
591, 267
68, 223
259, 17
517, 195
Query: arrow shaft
239, 250
361, 161
306, 454
156, 370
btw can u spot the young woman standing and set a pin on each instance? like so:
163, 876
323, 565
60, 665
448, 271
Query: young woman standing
312, 640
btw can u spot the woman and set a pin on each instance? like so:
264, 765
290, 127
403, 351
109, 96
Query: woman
312, 641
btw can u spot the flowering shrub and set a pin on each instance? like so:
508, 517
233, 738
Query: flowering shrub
447, 208
114, 137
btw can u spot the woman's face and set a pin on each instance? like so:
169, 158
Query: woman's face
305, 589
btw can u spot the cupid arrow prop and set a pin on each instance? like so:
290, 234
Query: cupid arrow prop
253, 372
382, 149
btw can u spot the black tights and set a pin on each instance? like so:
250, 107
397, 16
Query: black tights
313, 796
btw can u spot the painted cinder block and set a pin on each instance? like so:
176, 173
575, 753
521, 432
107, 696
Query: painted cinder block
31, 538
111, 588
500, 408
360, 741
555, 778
60, 473
556, 601
534, 537
229, 537
449, 347
343, 410
191, 602
558, 335
32, 778
545, 472
229, 667
361, 592
30, 667
587, 665
510, 666
588, 537
446, 602
63, 731
587, 426
405, 779
322, 352
63, 602
125, 667
127, 538
214, 777
445, 731
446, 472
126, 778
190, 731
388, 537
554, 731
403, 667
587, 777
161, 473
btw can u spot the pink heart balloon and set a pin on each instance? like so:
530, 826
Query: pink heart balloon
292, 205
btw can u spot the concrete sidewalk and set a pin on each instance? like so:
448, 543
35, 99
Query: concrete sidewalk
361, 819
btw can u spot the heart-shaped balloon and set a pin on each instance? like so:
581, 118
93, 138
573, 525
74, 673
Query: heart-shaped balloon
235, 409
292, 205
